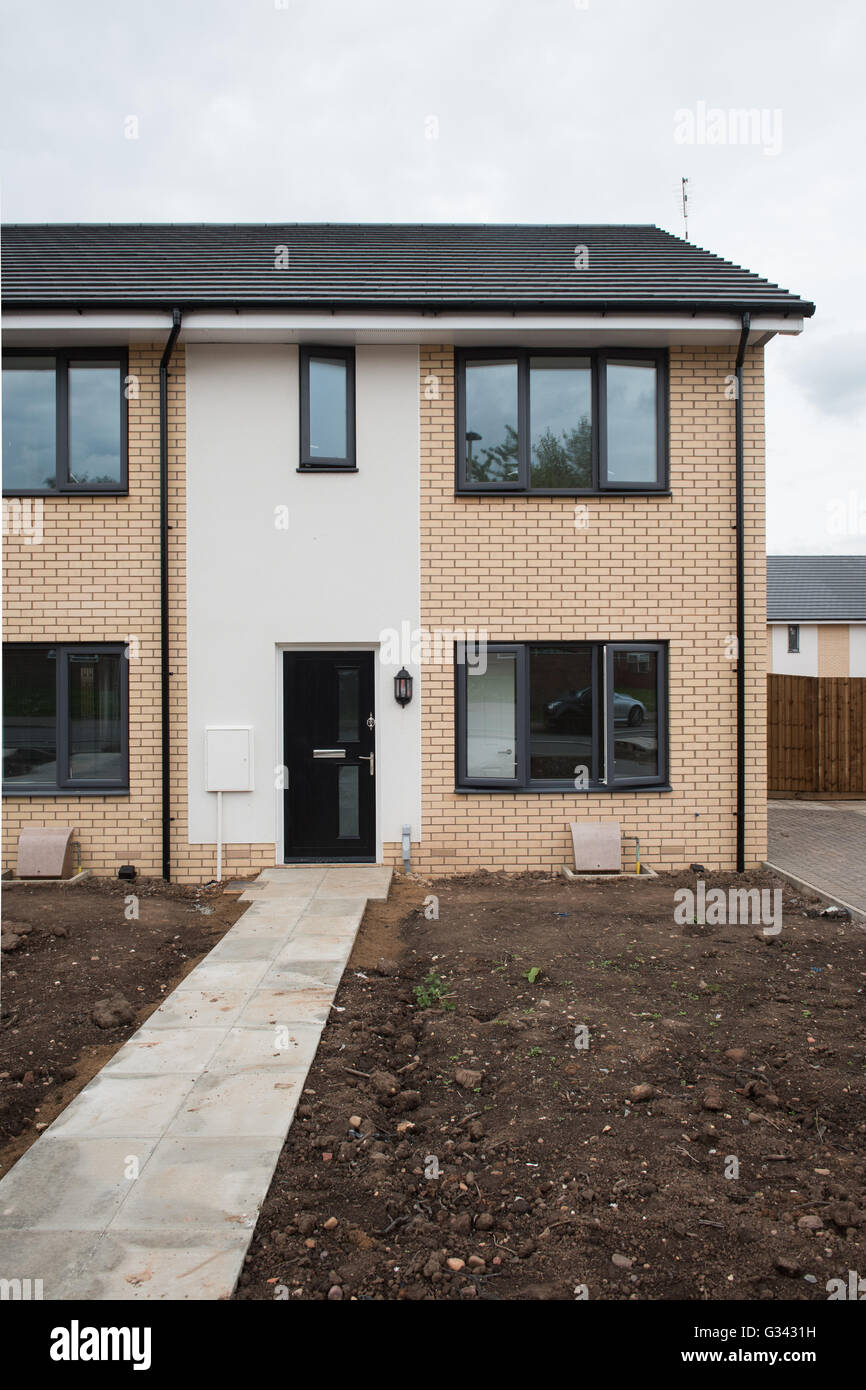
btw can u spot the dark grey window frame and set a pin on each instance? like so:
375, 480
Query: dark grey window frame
308, 464
521, 676
76, 786
610, 651
794, 641
598, 357
660, 358
603, 731
63, 357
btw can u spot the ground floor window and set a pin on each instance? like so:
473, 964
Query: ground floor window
65, 718
562, 716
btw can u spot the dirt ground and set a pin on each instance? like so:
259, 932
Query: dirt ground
566, 1171
76, 946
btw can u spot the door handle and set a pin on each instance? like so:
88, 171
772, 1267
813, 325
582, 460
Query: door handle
368, 758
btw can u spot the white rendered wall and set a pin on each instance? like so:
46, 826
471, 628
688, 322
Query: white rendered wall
857, 649
802, 663
345, 571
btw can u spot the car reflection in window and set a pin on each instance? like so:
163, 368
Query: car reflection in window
572, 711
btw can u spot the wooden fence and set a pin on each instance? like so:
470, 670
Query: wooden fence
816, 735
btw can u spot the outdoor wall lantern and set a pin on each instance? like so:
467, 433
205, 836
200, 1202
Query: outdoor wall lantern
402, 687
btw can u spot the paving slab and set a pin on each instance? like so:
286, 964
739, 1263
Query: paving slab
164, 1264
149, 1184
255, 1048
154, 1051
338, 906
274, 1005
267, 919
114, 1107
372, 882
75, 1184
821, 844
225, 1104
327, 945
52, 1261
304, 973
217, 975
198, 1006
246, 947
203, 1182
297, 879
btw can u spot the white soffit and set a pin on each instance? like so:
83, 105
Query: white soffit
275, 326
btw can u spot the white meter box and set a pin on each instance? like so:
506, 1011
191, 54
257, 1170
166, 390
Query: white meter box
228, 760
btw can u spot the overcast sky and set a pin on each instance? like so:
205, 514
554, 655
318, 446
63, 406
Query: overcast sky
487, 110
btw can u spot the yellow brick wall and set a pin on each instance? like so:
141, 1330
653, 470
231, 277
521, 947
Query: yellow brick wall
95, 577
833, 658
645, 568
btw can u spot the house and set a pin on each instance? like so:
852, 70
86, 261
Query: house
407, 544
816, 615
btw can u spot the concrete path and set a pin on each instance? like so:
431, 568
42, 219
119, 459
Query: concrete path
823, 845
149, 1184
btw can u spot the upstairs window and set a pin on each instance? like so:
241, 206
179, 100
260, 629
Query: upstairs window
327, 409
554, 422
64, 422
793, 637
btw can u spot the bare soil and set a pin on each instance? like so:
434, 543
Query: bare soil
76, 946
557, 1178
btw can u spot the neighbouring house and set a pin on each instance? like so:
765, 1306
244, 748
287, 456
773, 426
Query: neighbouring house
816, 615
383, 543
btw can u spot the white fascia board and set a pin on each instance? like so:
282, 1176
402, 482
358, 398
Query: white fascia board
276, 326
89, 329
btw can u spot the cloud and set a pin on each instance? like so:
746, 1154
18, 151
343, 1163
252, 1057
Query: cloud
832, 374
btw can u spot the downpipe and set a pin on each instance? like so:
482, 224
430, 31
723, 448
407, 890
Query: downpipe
741, 600
165, 673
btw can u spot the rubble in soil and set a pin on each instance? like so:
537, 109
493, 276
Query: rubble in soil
708, 1142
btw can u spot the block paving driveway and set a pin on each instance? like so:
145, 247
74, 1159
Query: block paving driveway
824, 844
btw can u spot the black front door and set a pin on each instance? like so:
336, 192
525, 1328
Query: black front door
330, 799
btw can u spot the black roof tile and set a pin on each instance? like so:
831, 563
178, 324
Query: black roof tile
816, 588
429, 266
